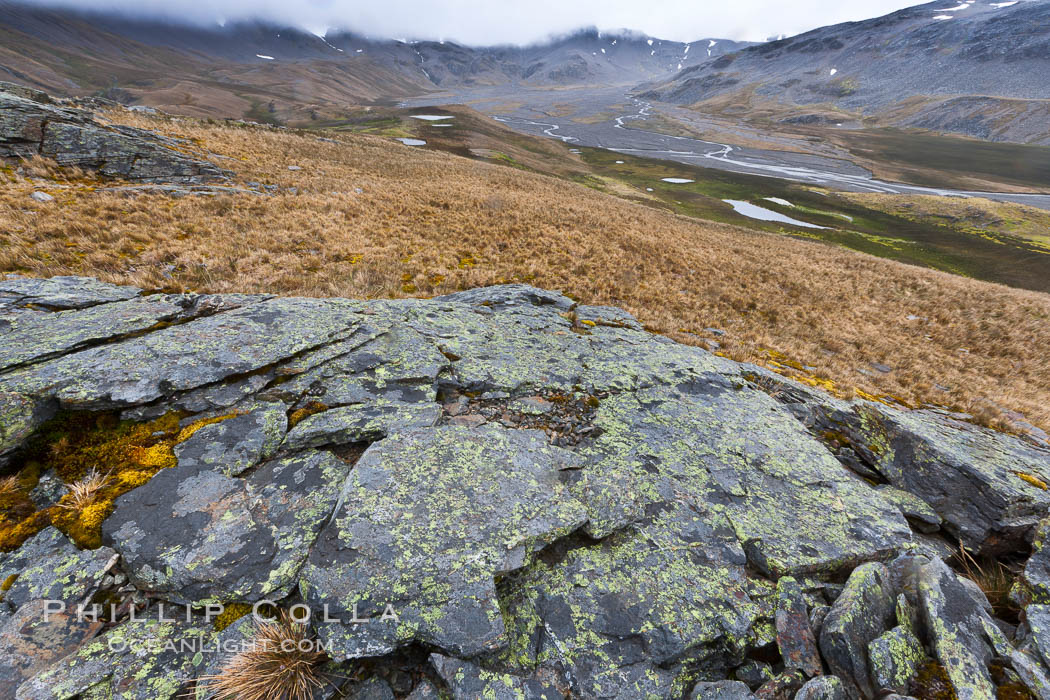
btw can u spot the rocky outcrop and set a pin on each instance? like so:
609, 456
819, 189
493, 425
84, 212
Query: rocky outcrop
32, 124
510, 494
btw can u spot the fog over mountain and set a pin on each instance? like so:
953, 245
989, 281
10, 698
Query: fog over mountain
479, 22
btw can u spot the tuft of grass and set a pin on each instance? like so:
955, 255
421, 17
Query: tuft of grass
83, 493
993, 577
9, 485
282, 663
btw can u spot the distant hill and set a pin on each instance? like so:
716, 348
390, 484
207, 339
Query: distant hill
270, 73
979, 68
583, 58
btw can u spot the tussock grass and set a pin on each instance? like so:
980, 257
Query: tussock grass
282, 663
9, 485
993, 577
83, 493
429, 223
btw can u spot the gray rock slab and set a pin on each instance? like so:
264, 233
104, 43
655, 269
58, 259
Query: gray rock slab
29, 338
236, 444
953, 621
365, 422
134, 155
971, 476
504, 296
36, 636
186, 356
921, 516
145, 659
720, 690
68, 292
1036, 574
798, 647
20, 416
1038, 618
425, 523
823, 688
1033, 674
194, 535
794, 508
468, 681
606, 316
895, 658
632, 615
49, 566
379, 360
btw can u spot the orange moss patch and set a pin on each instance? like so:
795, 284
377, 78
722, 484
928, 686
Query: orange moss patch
932, 683
312, 408
1033, 480
76, 445
231, 613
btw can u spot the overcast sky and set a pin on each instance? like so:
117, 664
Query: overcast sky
482, 22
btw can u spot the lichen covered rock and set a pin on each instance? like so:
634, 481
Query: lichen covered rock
72, 137
186, 356
895, 659
860, 615
954, 621
798, 647
989, 488
425, 523
468, 681
49, 566
195, 535
146, 659
57, 293
632, 613
234, 445
500, 491
35, 636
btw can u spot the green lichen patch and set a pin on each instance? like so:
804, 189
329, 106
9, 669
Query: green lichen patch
795, 509
674, 584
426, 522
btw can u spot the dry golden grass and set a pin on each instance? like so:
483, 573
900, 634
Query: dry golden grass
282, 663
428, 223
994, 578
9, 484
82, 493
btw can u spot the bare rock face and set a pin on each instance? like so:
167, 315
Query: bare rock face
860, 615
498, 493
31, 124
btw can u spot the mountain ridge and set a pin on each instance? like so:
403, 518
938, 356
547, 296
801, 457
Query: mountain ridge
976, 68
271, 73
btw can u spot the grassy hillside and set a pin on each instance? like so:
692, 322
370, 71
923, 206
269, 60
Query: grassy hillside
368, 217
963, 245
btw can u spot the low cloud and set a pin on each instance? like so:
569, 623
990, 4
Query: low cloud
483, 22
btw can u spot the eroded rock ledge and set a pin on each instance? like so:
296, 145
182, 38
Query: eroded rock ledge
554, 502
34, 124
